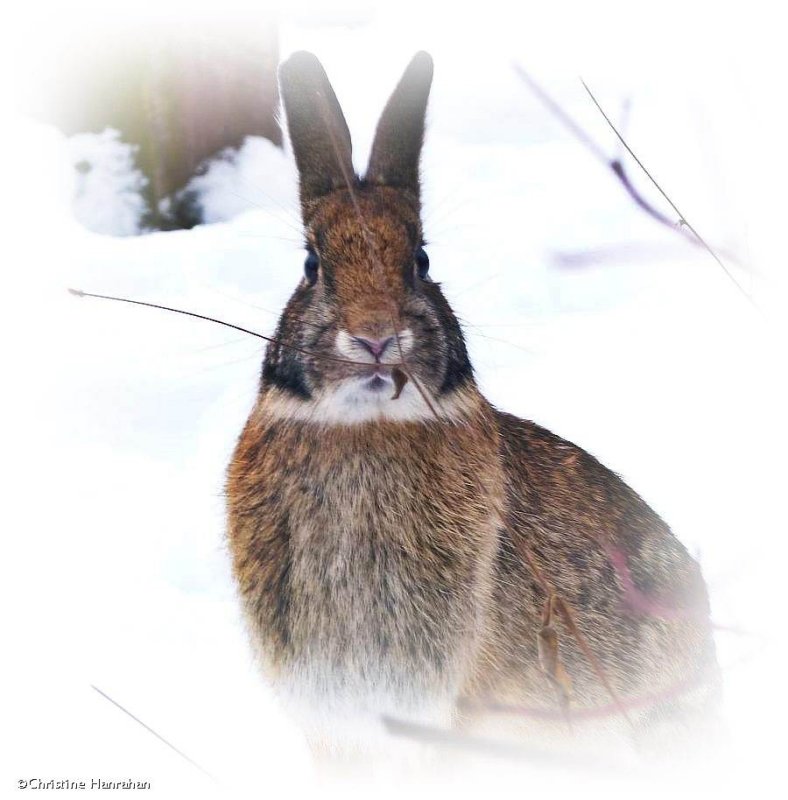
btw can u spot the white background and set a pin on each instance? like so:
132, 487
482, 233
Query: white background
581, 313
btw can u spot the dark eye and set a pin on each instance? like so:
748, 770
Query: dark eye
310, 267
422, 263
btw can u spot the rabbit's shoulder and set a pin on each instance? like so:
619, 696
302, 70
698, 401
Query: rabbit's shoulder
562, 500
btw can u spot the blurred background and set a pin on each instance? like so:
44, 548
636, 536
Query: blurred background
146, 156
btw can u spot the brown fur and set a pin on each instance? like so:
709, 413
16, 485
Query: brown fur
340, 548
382, 564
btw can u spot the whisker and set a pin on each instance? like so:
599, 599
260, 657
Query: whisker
503, 324
442, 212
502, 341
297, 228
292, 215
224, 364
228, 343
478, 283
240, 300
252, 235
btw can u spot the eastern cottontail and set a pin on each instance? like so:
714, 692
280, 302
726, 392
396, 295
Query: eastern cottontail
396, 546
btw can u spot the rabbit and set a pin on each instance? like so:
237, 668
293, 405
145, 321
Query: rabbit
404, 550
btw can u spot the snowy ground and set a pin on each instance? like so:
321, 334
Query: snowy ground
581, 313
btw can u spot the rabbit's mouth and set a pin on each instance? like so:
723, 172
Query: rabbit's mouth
376, 378
379, 380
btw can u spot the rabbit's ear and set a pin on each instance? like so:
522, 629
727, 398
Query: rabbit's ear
318, 131
400, 133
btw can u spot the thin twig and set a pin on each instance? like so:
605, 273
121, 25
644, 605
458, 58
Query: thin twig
271, 339
645, 701
157, 735
568, 616
623, 121
683, 221
616, 166
484, 746
557, 111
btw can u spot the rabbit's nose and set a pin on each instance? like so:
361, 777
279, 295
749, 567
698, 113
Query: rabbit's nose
375, 346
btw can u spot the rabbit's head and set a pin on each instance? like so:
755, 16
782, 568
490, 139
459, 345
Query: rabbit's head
366, 302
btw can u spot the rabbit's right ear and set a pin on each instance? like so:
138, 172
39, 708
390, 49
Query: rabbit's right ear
318, 131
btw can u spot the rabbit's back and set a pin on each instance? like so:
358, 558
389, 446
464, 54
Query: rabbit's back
638, 597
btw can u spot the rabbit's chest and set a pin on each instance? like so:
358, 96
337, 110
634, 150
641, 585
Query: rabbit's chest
382, 599
369, 583
365, 560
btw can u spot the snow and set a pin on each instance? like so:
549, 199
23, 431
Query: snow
107, 195
118, 421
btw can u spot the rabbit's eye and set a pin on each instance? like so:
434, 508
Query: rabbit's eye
310, 267
422, 263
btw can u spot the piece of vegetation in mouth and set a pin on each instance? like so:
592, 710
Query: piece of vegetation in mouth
400, 379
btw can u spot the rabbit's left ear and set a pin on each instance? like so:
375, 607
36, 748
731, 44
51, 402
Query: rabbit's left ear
400, 133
